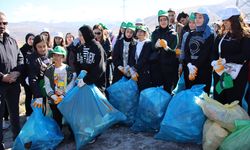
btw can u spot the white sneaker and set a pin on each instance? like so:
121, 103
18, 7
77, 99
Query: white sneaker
6, 124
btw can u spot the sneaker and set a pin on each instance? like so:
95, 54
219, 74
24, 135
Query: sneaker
6, 124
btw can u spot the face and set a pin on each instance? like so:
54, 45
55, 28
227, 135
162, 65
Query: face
69, 38
81, 37
129, 33
98, 34
42, 48
141, 35
57, 58
171, 16
227, 25
3, 24
163, 22
191, 25
30, 40
199, 19
58, 40
45, 35
184, 21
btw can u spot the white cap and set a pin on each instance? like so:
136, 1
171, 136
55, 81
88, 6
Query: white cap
228, 12
201, 10
139, 21
59, 34
45, 30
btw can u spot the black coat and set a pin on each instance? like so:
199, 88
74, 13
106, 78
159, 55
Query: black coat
142, 65
26, 50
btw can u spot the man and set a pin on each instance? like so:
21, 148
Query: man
11, 64
183, 18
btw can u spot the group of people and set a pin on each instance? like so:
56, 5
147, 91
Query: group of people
184, 47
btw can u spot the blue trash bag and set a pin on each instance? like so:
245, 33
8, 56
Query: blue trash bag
124, 96
152, 107
89, 113
180, 85
184, 118
39, 132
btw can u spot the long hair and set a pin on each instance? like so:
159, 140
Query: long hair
66, 42
38, 39
61, 44
99, 27
239, 28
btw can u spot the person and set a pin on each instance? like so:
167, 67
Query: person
121, 50
139, 22
164, 65
89, 56
11, 66
26, 50
122, 29
45, 32
58, 80
198, 50
37, 63
139, 59
58, 40
183, 18
106, 44
69, 38
216, 27
231, 48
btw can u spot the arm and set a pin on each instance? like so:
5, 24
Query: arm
117, 60
215, 52
48, 89
182, 55
72, 83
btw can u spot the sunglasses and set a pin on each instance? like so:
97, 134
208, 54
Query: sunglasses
4, 23
97, 33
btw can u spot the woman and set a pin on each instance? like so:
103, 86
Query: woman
69, 38
90, 56
231, 47
27, 50
120, 34
104, 41
139, 58
46, 34
121, 50
58, 40
37, 64
198, 49
164, 65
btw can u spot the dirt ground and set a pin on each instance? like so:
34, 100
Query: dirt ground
116, 138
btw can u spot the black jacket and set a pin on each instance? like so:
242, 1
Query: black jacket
142, 65
91, 58
36, 71
117, 57
11, 58
26, 50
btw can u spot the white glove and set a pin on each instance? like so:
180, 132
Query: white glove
38, 103
125, 70
218, 65
80, 83
157, 44
54, 97
134, 74
192, 69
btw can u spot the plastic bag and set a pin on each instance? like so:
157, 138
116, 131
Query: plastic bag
152, 107
180, 85
124, 96
239, 139
39, 132
213, 135
184, 119
225, 115
89, 113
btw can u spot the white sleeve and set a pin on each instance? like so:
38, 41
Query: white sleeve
72, 83
48, 89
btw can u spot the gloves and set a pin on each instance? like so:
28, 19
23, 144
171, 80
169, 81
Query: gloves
80, 83
134, 74
164, 44
157, 44
218, 65
57, 99
192, 71
38, 103
125, 70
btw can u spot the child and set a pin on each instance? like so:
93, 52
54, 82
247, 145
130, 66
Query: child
59, 79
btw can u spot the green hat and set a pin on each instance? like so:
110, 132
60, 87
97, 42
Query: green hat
192, 16
59, 50
162, 13
225, 82
131, 26
103, 26
143, 28
124, 25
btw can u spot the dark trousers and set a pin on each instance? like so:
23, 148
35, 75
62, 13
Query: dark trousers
6, 113
28, 98
9, 94
57, 115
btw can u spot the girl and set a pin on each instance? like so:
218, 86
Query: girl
58, 40
46, 34
120, 34
69, 38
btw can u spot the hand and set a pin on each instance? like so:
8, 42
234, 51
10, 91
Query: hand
125, 70
134, 74
38, 103
218, 65
15, 75
7, 78
164, 44
80, 83
76, 41
157, 44
192, 72
178, 52
54, 97
59, 99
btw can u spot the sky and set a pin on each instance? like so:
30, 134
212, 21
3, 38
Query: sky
90, 10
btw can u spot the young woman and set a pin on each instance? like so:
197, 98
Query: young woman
46, 34
198, 49
58, 79
120, 34
231, 48
139, 58
27, 50
58, 40
105, 42
164, 65
69, 38
37, 64
121, 50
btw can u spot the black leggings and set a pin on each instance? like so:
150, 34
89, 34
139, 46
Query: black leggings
28, 98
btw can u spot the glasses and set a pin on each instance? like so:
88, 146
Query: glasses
4, 23
97, 33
